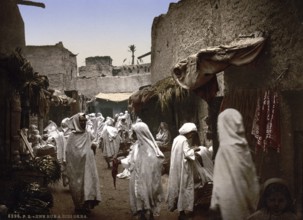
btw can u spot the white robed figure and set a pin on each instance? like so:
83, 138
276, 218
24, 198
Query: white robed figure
145, 164
100, 125
52, 131
81, 166
60, 141
181, 186
236, 187
110, 141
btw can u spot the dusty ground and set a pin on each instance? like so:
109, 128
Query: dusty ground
115, 202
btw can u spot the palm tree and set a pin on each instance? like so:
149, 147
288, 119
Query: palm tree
132, 49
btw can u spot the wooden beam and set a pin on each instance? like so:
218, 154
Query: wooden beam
144, 55
31, 3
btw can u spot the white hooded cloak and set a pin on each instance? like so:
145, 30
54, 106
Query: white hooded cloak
236, 186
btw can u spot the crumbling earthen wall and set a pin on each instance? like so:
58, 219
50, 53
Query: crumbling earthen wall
279, 63
187, 27
100, 76
127, 70
56, 62
102, 60
97, 66
111, 84
95, 70
191, 25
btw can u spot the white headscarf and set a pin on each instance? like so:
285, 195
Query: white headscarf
187, 127
231, 129
50, 127
109, 121
74, 123
146, 138
100, 116
65, 127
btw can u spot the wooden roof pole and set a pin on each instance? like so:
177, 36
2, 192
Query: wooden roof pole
31, 3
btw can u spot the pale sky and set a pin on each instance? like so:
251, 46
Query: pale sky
94, 27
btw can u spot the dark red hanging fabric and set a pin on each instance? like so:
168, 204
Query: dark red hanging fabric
266, 123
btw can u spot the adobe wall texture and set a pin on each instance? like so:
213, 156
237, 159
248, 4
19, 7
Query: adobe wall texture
282, 21
127, 70
95, 70
97, 66
187, 27
98, 69
111, 84
191, 25
55, 61
60, 65
103, 60
100, 76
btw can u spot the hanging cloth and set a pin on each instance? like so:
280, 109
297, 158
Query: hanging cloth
198, 71
266, 123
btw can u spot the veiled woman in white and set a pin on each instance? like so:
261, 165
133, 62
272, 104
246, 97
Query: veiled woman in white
81, 166
236, 187
145, 164
110, 141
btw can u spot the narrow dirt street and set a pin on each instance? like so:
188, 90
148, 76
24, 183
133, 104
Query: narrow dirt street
115, 202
